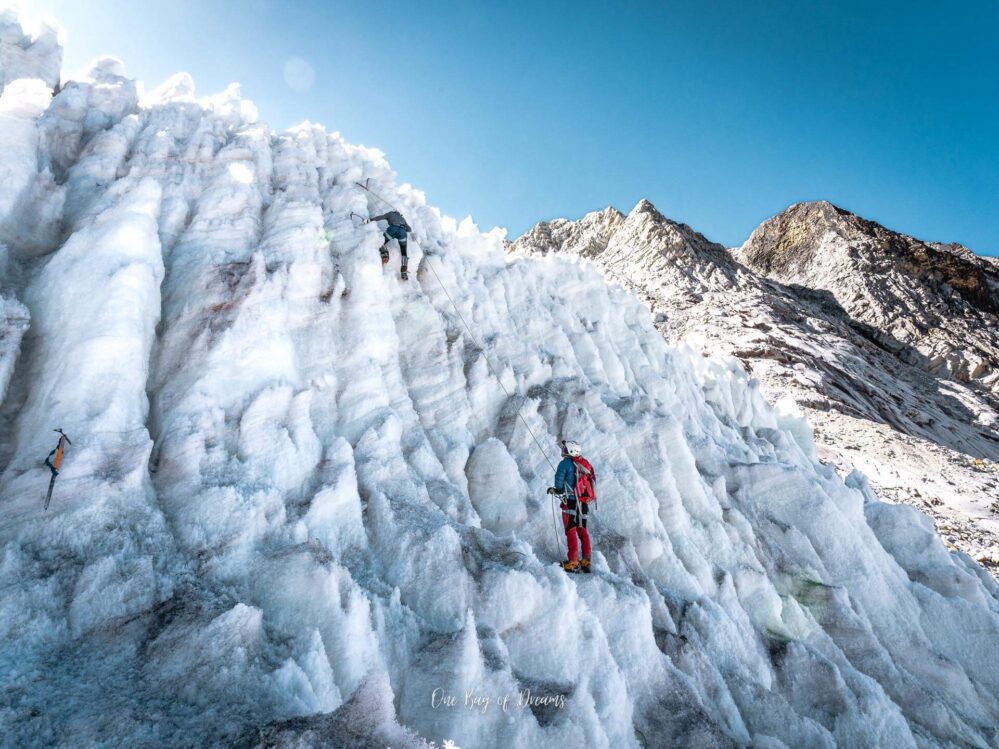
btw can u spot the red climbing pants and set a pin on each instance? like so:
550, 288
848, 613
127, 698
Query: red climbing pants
574, 521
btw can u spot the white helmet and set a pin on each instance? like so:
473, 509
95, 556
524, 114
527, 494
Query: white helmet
572, 448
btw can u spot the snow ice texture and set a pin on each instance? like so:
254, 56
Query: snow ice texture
298, 502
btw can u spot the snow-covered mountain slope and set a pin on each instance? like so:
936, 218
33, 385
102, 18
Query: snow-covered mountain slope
299, 510
874, 401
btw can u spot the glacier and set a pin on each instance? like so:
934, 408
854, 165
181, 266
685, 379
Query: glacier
299, 509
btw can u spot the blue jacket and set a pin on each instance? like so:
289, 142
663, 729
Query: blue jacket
565, 478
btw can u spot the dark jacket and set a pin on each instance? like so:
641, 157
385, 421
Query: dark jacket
394, 218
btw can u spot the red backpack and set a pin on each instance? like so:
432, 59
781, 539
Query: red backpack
586, 480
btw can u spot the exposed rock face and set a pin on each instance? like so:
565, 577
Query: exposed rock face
940, 300
888, 344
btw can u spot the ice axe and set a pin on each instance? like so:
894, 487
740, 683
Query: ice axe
372, 192
54, 464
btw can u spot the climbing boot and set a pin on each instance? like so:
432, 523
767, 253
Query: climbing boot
571, 566
404, 274
385, 256
584, 565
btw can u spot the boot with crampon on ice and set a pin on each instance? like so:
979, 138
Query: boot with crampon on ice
584, 565
571, 565
385, 256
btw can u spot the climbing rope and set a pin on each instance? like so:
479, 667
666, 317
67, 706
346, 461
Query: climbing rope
119, 431
489, 364
520, 415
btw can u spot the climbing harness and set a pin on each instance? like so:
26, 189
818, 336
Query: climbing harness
479, 346
54, 464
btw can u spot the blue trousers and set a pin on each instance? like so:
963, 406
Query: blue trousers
397, 232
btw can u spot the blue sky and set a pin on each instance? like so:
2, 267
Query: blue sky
721, 113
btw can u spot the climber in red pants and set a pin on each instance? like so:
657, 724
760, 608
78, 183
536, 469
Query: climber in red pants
575, 483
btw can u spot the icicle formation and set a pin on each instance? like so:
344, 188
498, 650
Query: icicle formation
285, 501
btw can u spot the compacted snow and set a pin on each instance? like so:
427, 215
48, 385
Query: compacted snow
299, 510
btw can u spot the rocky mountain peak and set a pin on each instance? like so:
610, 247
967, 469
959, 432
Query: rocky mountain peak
787, 244
941, 301
608, 214
586, 237
807, 240
645, 206
646, 227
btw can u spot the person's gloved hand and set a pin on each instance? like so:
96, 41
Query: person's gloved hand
552, 490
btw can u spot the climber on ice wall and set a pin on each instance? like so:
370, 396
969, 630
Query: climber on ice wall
397, 229
575, 484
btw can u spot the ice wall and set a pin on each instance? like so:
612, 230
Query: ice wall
28, 53
298, 503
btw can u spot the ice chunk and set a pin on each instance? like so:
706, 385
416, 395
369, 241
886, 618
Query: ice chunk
495, 487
